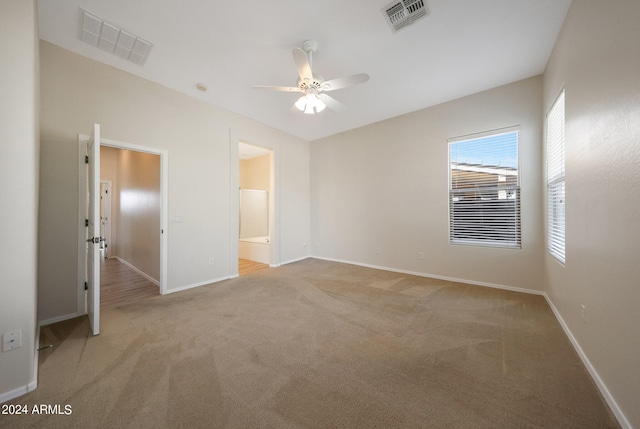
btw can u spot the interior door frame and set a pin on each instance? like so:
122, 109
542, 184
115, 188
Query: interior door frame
164, 188
235, 137
92, 235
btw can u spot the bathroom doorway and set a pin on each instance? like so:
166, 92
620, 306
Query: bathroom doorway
253, 143
255, 178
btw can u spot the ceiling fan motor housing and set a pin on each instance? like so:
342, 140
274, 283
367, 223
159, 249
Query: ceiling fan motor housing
310, 46
314, 85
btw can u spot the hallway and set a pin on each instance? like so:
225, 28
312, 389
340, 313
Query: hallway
246, 266
121, 284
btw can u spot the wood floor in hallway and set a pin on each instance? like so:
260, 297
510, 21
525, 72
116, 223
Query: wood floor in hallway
121, 284
246, 266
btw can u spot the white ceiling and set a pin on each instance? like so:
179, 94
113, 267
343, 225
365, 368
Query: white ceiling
460, 48
249, 151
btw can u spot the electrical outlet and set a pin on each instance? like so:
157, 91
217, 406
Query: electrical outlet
583, 313
212, 261
420, 255
378, 251
12, 340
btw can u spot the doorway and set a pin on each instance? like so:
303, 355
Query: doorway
254, 239
254, 242
159, 200
130, 267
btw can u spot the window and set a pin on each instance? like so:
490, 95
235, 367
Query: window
556, 180
484, 190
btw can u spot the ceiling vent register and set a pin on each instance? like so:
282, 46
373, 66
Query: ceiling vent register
97, 32
400, 14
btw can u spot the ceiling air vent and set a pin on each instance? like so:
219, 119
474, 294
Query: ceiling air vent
400, 14
108, 37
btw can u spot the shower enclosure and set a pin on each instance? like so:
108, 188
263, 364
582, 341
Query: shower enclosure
254, 225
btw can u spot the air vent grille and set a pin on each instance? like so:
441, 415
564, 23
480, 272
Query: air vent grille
110, 38
400, 14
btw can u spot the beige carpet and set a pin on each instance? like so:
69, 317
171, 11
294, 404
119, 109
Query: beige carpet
316, 344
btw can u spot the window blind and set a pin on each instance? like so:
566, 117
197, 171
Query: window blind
484, 190
556, 180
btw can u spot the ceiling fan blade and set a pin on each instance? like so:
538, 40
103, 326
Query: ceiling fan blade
302, 64
343, 82
332, 103
278, 88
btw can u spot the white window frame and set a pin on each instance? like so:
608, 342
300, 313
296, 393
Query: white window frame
472, 226
556, 179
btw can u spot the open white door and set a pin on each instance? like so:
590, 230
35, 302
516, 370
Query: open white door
93, 231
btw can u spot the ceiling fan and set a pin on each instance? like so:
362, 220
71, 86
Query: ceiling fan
312, 85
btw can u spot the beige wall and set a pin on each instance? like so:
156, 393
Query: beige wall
138, 216
57, 286
596, 59
386, 186
77, 92
255, 173
19, 156
136, 176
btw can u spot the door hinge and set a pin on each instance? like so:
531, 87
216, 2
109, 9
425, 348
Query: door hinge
86, 286
86, 222
86, 159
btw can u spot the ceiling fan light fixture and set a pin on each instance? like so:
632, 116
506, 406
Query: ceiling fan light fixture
301, 103
309, 109
318, 105
310, 104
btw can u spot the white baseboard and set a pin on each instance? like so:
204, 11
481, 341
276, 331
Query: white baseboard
36, 354
23, 390
206, 282
291, 261
435, 276
60, 318
137, 270
232, 276
615, 409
